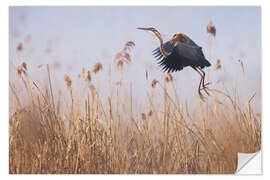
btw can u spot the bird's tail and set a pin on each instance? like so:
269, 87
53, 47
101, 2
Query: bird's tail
207, 63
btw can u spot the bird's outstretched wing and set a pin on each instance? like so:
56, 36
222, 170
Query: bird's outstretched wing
170, 63
190, 49
167, 46
180, 55
193, 54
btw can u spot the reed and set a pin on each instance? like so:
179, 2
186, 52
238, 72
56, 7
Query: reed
85, 133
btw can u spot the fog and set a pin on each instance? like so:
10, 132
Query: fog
70, 38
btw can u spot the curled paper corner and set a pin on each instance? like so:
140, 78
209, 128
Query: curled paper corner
249, 163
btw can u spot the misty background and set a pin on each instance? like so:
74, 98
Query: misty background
70, 38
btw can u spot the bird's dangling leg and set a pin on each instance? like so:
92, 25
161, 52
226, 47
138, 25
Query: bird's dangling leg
204, 86
201, 80
199, 90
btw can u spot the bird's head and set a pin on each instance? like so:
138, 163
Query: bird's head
150, 30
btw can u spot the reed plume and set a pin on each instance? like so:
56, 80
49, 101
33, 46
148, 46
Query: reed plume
218, 64
68, 81
150, 113
143, 116
24, 66
211, 29
120, 64
88, 77
97, 67
124, 54
19, 47
22, 69
146, 74
129, 45
154, 83
242, 66
168, 77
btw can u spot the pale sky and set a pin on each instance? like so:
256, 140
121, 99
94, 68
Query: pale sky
80, 36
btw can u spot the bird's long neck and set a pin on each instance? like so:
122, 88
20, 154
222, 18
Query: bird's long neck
160, 41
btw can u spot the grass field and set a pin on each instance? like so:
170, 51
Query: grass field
55, 133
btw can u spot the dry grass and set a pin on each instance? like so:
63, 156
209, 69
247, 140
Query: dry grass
242, 66
93, 134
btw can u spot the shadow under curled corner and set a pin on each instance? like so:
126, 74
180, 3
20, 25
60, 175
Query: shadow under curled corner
249, 164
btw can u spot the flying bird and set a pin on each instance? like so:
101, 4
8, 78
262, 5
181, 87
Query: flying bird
179, 52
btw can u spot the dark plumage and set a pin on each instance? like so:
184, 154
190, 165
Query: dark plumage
177, 60
179, 52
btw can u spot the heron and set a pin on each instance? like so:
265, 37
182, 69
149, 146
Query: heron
179, 52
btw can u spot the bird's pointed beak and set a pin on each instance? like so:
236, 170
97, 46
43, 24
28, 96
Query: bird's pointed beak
144, 29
